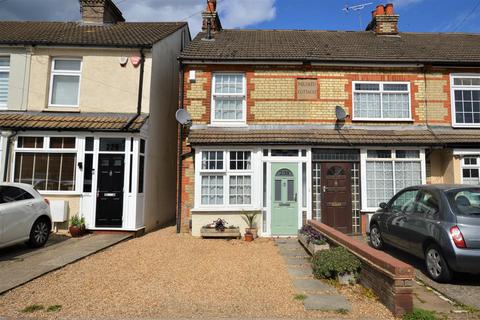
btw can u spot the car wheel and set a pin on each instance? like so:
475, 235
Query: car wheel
437, 267
39, 233
376, 237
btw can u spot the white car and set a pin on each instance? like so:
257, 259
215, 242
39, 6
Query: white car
24, 215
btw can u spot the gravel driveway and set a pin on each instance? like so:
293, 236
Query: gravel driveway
166, 275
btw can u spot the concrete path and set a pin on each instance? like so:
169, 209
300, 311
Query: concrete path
20, 269
319, 295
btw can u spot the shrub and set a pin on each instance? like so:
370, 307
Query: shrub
313, 235
32, 308
419, 314
330, 263
76, 221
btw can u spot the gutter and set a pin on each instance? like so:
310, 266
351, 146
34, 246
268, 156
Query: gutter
179, 152
140, 92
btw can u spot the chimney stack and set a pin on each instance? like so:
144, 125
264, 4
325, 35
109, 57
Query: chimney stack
211, 20
100, 12
384, 21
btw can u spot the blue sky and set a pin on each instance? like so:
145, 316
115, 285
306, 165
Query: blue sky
415, 15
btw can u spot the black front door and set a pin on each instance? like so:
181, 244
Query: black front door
110, 190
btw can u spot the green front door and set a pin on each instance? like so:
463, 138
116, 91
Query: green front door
284, 199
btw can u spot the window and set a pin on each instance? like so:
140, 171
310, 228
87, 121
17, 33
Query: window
470, 170
389, 171
405, 202
47, 163
221, 184
228, 98
4, 76
12, 194
141, 167
88, 165
427, 204
65, 82
384, 101
466, 100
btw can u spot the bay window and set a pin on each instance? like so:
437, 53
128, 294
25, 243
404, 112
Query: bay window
4, 76
381, 101
228, 98
47, 163
226, 178
466, 100
389, 171
65, 82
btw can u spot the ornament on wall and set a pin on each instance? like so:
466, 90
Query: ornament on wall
135, 60
123, 61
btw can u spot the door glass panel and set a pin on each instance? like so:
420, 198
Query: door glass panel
278, 190
336, 171
290, 191
87, 173
284, 173
405, 203
112, 144
89, 144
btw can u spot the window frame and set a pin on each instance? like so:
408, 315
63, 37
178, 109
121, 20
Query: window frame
381, 92
470, 166
363, 170
4, 69
453, 87
242, 97
54, 73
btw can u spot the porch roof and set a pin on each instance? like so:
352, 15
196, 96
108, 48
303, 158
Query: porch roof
343, 137
72, 121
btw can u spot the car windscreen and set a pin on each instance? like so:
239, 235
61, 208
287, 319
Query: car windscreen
465, 202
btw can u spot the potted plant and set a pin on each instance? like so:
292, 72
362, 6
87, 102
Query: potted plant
248, 237
249, 218
337, 263
312, 240
77, 226
220, 229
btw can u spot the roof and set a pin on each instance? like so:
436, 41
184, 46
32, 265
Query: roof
335, 46
122, 34
71, 121
343, 137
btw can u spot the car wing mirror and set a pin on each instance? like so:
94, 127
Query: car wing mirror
383, 205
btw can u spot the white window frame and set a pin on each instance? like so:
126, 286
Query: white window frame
54, 73
363, 170
226, 173
5, 69
469, 166
381, 92
46, 149
242, 96
454, 76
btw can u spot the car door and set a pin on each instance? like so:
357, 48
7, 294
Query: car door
398, 210
16, 209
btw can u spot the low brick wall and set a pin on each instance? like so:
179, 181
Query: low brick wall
389, 278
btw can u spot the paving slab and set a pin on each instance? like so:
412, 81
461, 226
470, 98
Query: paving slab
326, 303
312, 286
294, 253
51, 258
296, 272
295, 261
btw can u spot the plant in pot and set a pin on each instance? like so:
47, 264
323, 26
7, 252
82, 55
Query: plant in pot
77, 226
337, 263
249, 218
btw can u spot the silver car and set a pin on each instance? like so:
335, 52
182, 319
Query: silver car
438, 223
24, 215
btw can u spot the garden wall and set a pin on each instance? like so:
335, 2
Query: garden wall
389, 278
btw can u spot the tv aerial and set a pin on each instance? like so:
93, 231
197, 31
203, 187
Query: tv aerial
357, 8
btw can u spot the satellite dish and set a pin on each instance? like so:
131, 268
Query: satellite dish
340, 113
183, 117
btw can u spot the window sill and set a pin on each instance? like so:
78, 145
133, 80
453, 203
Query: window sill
466, 126
61, 109
380, 120
228, 124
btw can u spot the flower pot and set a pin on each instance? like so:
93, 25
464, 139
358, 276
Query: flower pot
75, 231
248, 237
346, 278
253, 231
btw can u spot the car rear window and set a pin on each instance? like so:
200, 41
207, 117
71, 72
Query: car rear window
465, 202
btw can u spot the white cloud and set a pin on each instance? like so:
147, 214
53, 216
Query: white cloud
239, 14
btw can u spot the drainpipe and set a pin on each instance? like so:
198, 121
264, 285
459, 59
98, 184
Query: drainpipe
140, 92
179, 154
9, 136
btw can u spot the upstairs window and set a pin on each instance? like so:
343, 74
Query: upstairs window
65, 82
4, 76
228, 98
466, 100
381, 101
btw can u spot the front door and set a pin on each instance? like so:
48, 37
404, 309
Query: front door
110, 190
284, 199
337, 196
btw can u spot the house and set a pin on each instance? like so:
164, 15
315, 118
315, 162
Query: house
324, 125
88, 115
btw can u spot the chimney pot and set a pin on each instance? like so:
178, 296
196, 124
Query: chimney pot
380, 10
211, 21
389, 9
384, 21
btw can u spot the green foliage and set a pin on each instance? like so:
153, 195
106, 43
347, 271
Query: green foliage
76, 221
342, 311
249, 218
330, 263
54, 308
300, 297
420, 314
33, 308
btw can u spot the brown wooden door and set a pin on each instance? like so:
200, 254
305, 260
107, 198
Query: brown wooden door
337, 196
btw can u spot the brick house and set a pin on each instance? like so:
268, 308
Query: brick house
86, 109
323, 125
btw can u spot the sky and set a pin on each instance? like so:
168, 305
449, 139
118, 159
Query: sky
415, 15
